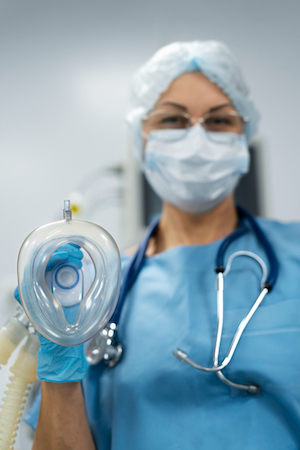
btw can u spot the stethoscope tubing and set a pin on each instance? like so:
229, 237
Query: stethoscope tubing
133, 269
268, 282
136, 263
273, 261
182, 356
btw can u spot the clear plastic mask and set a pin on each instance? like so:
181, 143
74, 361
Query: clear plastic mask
43, 296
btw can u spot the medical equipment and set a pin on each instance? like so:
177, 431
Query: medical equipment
100, 346
24, 373
67, 281
11, 334
43, 305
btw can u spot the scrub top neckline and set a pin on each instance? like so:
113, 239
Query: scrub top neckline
182, 248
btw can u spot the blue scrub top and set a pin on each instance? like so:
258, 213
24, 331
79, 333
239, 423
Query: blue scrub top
151, 401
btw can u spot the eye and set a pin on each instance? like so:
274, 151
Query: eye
221, 122
218, 120
173, 121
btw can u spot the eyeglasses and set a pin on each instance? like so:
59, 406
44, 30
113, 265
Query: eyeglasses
172, 119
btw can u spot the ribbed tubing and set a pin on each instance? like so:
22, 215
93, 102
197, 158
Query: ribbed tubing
24, 373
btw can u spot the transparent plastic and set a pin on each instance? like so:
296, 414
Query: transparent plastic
68, 283
11, 334
42, 308
24, 373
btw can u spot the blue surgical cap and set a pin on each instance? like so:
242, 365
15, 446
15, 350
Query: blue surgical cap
212, 58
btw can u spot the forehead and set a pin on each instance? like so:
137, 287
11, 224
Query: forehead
194, 91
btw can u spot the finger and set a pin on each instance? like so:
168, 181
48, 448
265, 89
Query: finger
74, 245
70, 249
17, 295
74, 252
57, 258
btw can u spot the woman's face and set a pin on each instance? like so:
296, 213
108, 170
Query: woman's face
196, 95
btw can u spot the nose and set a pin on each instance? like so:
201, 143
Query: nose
195, 120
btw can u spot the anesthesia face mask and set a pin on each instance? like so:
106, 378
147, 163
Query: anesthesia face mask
86, 296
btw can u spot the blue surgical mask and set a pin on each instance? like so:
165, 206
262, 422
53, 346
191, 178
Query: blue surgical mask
197, 172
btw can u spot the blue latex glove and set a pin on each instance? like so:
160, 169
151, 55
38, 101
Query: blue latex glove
65, 253
57, 363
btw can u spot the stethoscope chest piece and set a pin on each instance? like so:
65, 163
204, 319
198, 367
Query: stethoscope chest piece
104, 346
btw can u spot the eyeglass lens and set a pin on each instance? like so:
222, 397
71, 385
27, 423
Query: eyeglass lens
217, 121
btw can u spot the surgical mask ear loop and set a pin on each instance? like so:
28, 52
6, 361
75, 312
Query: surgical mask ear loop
182, 356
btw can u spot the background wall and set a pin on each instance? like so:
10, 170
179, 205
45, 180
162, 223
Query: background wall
65, 71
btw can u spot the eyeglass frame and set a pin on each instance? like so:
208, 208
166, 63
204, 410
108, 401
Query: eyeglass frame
192, 120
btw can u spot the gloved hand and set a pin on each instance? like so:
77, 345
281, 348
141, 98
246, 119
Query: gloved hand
57, 363
66, 253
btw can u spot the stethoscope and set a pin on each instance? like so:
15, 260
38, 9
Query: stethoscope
105, 345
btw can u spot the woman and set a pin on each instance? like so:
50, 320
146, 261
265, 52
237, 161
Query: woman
191, 120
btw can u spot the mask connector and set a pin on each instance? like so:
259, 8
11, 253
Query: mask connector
67, 211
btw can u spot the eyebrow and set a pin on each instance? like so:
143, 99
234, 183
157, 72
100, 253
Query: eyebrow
184, 108
177, 105
214, 108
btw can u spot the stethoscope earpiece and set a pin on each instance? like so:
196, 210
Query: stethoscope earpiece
267, 282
